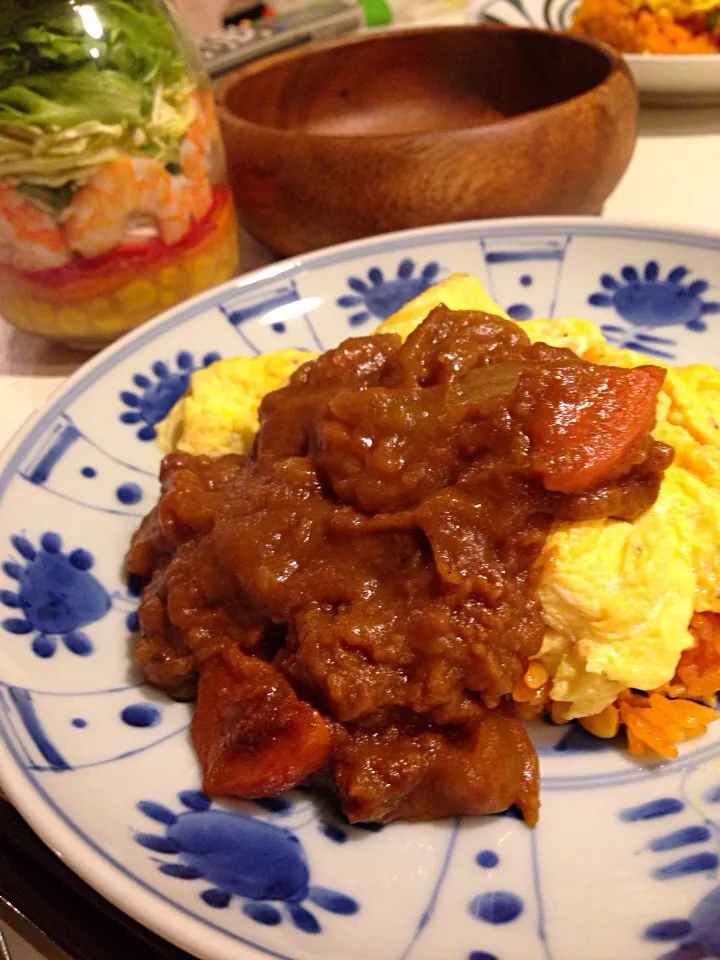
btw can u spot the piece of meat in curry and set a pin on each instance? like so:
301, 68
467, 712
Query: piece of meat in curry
354, 601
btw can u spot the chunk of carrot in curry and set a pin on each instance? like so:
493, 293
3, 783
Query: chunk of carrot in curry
589, 421
252, 734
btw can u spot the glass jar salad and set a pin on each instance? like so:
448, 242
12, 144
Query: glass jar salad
114, 203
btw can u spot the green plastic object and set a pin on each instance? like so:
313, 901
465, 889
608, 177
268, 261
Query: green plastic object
377, 12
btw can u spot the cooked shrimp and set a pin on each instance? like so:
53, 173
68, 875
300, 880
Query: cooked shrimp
29, 237
201, 197
195, 156
195, 148
130, 187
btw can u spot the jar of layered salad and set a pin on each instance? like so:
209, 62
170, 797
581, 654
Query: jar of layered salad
114, 203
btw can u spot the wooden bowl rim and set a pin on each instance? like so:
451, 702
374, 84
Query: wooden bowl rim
617, 64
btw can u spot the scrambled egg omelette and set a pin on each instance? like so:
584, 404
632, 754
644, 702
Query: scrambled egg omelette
617, 598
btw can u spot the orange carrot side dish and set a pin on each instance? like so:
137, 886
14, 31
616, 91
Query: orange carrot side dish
649, 26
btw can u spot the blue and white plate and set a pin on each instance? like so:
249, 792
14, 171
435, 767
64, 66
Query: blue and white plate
624, 864
673, 79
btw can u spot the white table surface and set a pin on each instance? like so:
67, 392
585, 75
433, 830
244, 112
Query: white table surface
673, 179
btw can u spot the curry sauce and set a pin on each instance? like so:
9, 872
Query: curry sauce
353, 601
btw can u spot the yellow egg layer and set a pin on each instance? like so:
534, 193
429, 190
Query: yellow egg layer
219, 412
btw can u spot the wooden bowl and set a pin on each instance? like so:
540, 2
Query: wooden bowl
354, 137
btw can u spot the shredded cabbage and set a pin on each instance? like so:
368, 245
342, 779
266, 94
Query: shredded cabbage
82, 84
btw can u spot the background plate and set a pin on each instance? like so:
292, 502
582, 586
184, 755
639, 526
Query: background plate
667, 80
624, 862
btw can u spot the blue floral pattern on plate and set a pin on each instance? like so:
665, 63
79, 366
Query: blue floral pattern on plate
102, 766
380, 297
649, 300
56, 595
691, 850
244, 857
154, 396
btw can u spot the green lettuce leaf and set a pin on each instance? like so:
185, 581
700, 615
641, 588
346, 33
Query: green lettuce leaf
68, 98
82, 84
60, 61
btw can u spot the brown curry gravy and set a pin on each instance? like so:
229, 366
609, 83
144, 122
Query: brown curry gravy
357, 597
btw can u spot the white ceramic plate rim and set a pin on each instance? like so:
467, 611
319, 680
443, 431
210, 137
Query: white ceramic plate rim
79, 851
672, 57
